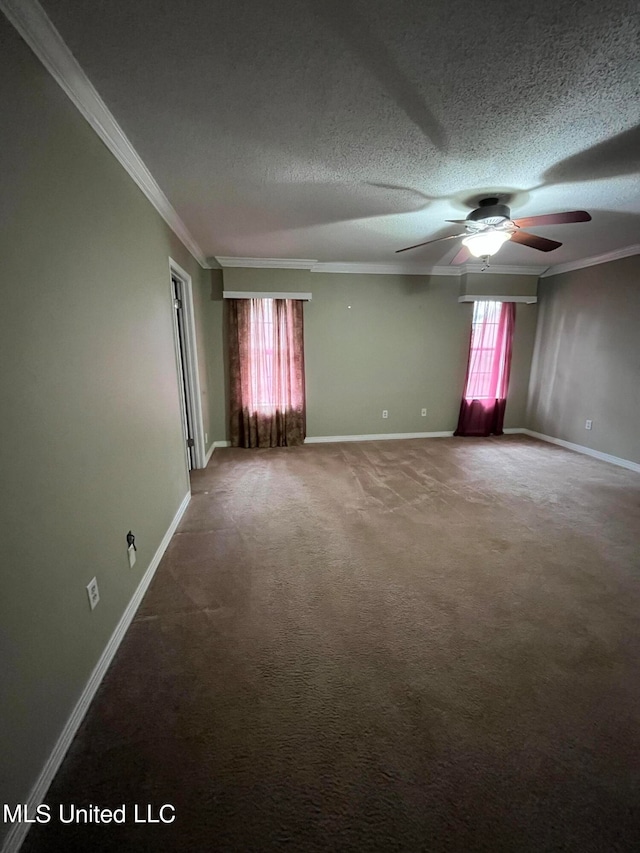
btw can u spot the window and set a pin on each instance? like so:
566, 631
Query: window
487, 375
485, 392
262, 394
266, 372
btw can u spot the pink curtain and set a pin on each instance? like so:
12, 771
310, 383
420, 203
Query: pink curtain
487, 382
266, 369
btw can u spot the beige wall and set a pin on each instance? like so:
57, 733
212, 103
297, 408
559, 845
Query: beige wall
91, 440
587, 358
207, 303
523, 343
401, 346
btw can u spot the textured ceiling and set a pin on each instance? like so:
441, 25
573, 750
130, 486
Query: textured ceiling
342, 130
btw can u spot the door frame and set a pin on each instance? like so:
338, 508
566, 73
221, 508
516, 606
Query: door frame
192, 378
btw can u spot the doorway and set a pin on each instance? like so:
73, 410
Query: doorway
187, 366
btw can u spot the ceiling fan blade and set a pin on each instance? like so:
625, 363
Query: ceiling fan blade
417, 245
457, 221
462, 257
535, 242
554, 218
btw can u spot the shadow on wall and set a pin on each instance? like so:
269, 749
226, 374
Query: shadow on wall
546, 374
217, 285
416, 285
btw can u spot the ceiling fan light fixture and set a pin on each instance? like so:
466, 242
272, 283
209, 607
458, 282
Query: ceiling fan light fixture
488, 227
486, 243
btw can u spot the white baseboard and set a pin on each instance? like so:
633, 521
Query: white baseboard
319, 439
209, 454
18, 831
222, 444
579, 448
596, 454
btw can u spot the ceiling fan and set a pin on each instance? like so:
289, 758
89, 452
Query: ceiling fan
489, 226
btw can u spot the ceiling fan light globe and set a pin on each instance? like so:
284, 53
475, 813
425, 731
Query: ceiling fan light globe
486, 243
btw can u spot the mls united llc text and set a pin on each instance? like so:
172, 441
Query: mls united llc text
71, 813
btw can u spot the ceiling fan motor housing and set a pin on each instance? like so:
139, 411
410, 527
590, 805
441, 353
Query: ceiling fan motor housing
490, 212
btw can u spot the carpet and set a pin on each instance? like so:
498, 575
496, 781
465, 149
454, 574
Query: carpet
422, 645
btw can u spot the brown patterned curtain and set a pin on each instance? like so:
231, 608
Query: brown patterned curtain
266, 370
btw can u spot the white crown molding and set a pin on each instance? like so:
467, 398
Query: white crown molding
370, 269
615, 255
18, 831
31, 21
380, 269
505, 269
266, 263
413, 269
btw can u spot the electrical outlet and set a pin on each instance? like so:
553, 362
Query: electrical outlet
131, 548
423, 413
385, 413
588, 424
93, 593
206, 439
